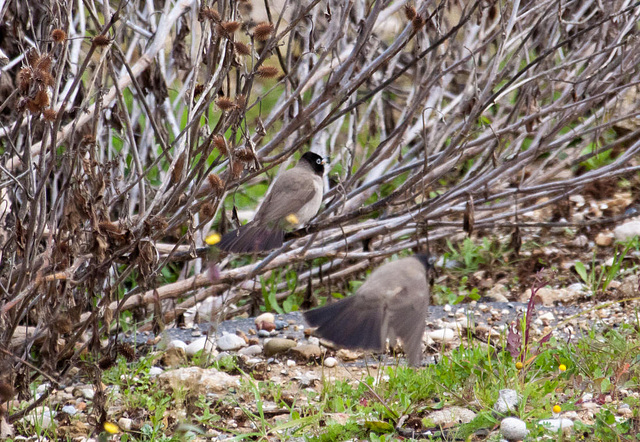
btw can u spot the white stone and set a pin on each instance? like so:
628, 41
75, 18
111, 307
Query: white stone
451, 415
203, 343
252, 350
125, 423
69, 409
507, 402
625, 412
40, 416
554, 425
155, 371
177, 343
229, 342
313, 340
265, 317
627, 230
198, 380
330, 362
513, 429
444, 335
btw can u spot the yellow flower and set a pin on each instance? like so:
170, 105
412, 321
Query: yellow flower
557, 409
212, 239
562, 367
519, 365
112, 428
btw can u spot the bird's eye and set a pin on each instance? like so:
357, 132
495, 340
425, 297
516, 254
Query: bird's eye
318, 161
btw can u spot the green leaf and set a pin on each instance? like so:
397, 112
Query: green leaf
379, 426
582, 271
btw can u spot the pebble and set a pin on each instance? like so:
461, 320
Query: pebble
348, 355
306, 352
313, 340
443, 335
278, 345
155, 371
204, 343
281, 324
581, 241
198, 380
69, 409
265, 321
546, 318
507, 402
627, 230
554, 425
451, 415
513, 428
229, 342
85, 392
125, 423
625, 412
177, 343
252, 350
41, 416
264, 333
265, 317
291, 363
604, 239
174, 357
330, 362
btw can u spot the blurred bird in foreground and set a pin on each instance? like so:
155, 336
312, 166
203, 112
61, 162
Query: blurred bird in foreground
392, 303
294, 199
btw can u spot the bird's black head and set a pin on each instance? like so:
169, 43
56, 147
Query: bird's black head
426, 259
315, 161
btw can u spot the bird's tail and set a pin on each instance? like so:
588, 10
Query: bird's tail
251, 238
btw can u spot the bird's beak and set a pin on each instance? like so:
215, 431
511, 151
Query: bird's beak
326, 160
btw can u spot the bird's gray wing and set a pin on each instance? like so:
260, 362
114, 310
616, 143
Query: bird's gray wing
291, 191
353, 322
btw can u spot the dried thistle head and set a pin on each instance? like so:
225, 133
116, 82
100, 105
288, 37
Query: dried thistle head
101, 40
410, 12
236, 169
25, 76
39, 101
216, 183
225, 104
417, 22
229, 27
198, 90
210, 14
32, 57
207, 211
267, 71
263, 31
244, 154
43, 76
241, 48
50, 115
58, 36
241, 100
43, 63
220, 144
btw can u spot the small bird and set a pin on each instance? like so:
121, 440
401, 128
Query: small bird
294, 199
391, 303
